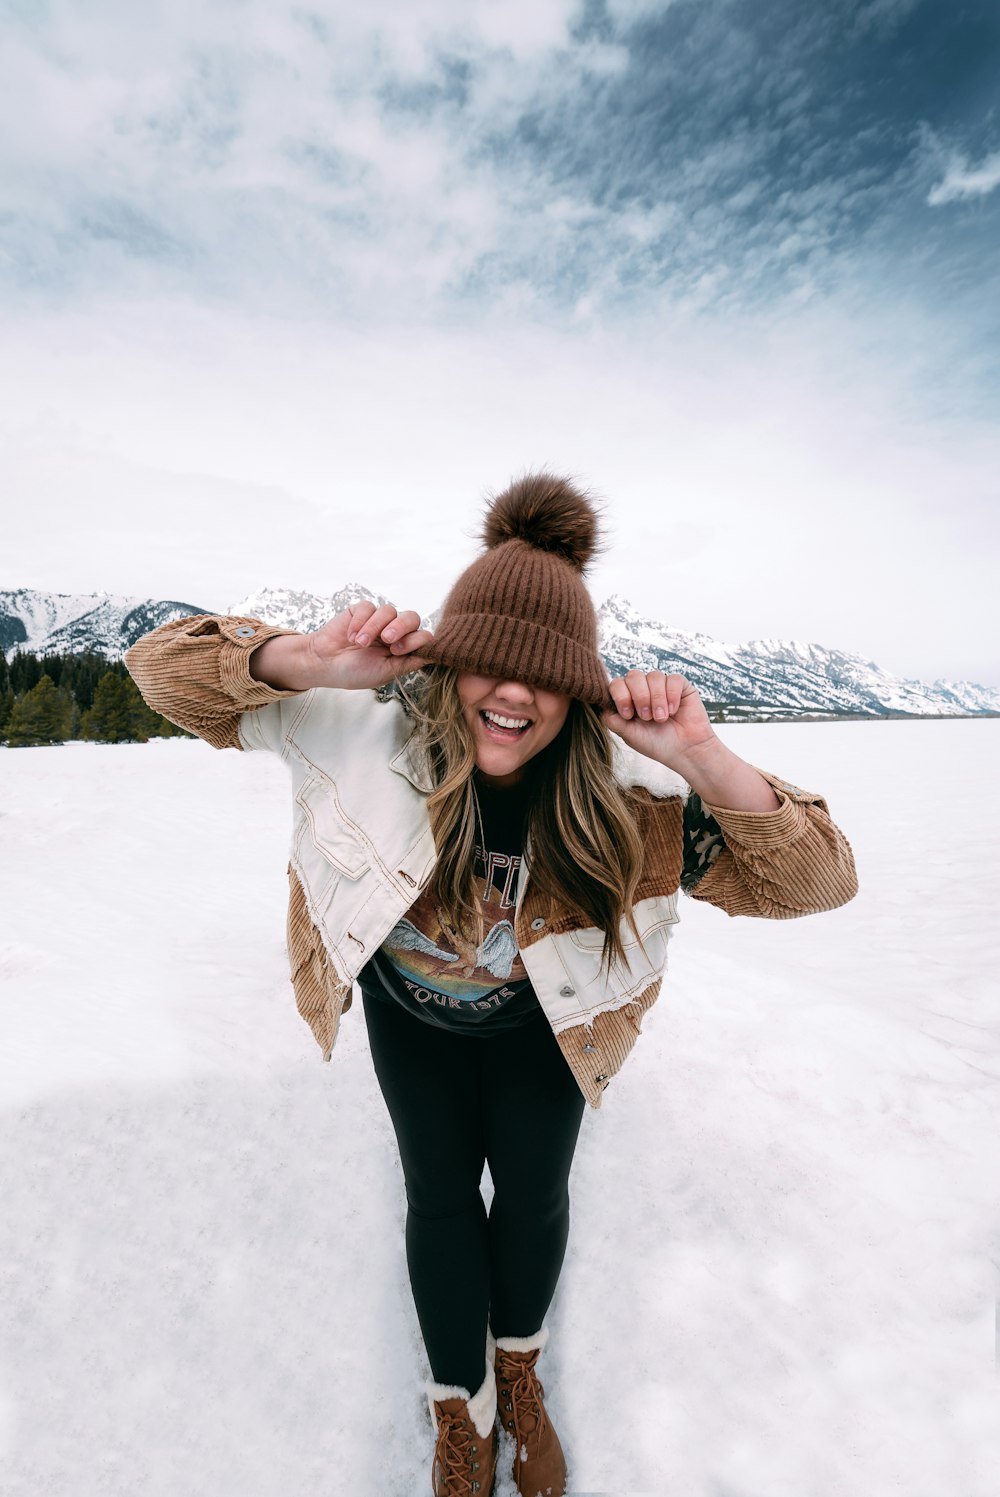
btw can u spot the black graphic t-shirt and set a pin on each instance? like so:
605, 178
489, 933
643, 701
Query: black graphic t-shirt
435, 972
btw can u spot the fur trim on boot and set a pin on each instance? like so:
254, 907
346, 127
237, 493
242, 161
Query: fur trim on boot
523, 1343
539, 1464
465, 1455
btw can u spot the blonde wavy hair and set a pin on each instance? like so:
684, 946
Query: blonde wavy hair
586, 845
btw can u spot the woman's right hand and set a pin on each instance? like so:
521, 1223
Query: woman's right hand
335, 655
366, 646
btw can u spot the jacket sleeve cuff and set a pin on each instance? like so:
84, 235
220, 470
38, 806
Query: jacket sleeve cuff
241, 637
767, 829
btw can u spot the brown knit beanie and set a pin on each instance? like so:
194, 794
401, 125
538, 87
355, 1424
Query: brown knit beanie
521, 612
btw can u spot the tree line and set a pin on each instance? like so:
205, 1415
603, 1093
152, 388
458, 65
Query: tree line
56, 698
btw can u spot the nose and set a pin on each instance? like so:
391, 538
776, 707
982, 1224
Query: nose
515, 692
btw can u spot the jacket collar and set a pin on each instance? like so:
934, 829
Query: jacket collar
412, 766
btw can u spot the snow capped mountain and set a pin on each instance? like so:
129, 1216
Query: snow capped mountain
57, 622
755, 679
303, 611
777, 678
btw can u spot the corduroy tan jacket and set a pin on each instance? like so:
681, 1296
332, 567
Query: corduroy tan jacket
362, 848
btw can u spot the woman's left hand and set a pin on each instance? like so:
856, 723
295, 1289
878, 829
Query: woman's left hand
658, 715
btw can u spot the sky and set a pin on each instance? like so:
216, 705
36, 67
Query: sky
287, 290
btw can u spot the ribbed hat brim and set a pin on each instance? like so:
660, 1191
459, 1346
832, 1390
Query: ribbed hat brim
520, 650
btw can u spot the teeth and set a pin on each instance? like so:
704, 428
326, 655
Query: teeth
506, 722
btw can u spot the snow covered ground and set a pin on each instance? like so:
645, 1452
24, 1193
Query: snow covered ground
782, 1268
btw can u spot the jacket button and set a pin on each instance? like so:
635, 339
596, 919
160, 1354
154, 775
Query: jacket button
538, 923
587, 1049
246, 631
566, 991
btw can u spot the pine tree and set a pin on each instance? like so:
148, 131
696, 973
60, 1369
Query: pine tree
76, 676
55, 666
110, 719
43, 715
81, 673
25, 671
119, 714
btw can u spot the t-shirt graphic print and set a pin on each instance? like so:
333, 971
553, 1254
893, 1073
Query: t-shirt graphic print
439, 973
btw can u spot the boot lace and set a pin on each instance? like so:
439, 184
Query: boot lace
454, 1464
523, 1410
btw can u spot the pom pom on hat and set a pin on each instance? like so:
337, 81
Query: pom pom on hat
549, 513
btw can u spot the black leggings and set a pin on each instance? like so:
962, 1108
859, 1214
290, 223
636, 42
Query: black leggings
456, 1101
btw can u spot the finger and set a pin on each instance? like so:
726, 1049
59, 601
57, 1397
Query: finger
639, 688
658, 700
371, 628
621, 696
414, 641
358, 616
402, 624
675, 688
406, 663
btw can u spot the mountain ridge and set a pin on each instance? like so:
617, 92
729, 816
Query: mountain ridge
756, 679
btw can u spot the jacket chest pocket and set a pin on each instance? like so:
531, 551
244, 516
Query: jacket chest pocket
656, 918
653, 917
327, 829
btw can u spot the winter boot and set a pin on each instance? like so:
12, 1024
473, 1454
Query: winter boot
539, 1464
465, 1456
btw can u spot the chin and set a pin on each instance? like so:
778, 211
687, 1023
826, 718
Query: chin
499, 763
499, 767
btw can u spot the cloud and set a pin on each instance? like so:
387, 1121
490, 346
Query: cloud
406, 162
455, 161
333, 156
627, 13
964, 181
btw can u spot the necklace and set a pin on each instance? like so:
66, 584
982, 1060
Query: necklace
479, 817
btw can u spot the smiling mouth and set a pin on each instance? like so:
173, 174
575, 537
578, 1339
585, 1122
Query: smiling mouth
505, 729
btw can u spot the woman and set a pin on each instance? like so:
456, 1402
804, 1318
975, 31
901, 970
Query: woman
490, 838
